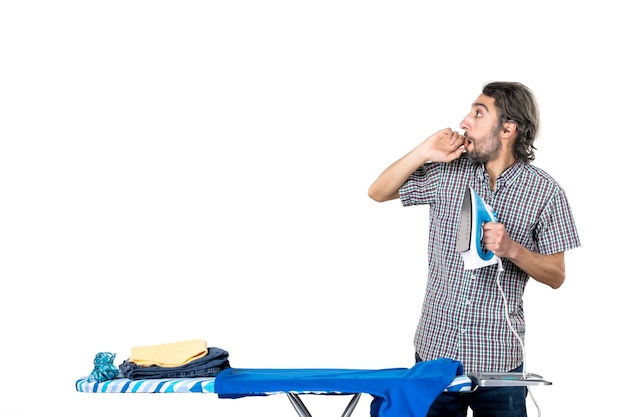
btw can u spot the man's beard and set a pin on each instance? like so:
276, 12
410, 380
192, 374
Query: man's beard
490, 148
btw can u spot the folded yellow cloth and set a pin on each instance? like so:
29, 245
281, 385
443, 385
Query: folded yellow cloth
169, 355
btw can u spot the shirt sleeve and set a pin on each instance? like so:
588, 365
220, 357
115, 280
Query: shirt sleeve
421, 186
557, 231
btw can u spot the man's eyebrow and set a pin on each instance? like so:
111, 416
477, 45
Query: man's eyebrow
482, 105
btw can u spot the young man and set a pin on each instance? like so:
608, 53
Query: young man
463, 315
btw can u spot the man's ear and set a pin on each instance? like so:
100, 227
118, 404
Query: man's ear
509, 128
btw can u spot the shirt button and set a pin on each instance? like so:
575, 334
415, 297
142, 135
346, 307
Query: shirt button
463, 331
468, 301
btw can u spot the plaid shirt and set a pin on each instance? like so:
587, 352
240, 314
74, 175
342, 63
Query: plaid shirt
463, 313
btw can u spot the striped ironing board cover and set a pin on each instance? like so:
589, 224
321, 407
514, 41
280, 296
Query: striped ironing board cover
461, 383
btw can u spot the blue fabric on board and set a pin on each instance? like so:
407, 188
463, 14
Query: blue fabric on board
406, 392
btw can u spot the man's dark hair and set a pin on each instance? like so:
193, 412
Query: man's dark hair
516, 103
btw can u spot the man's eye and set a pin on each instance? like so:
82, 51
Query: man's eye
478, 114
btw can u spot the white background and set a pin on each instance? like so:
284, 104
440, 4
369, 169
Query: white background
173, 170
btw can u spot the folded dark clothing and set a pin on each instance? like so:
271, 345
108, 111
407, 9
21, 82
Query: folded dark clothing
209, 365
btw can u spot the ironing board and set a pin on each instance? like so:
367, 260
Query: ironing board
412, 388
423, 383
207, 386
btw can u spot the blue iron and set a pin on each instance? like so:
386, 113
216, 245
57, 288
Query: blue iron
474, 212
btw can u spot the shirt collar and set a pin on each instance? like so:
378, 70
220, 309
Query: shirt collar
506, 179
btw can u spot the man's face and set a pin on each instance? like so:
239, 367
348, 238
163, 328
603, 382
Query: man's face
482, 130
